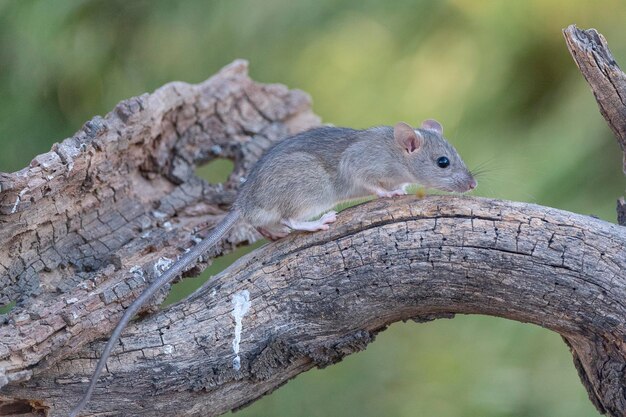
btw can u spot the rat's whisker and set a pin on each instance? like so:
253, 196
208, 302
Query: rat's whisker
479, 173
487, 167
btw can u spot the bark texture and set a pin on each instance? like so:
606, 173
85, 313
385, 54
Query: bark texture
86, 225
608, 83
315, 298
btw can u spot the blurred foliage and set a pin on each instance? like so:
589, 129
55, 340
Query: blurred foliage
496, 74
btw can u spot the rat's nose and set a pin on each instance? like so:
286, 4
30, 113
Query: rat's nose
472, 184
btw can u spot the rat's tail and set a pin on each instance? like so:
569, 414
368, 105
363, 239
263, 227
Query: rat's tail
216, 234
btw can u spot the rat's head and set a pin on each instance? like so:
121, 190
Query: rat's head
433, 162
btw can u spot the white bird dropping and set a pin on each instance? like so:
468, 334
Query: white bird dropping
241, 305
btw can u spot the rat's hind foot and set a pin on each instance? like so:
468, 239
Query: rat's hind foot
272, 234
312, 226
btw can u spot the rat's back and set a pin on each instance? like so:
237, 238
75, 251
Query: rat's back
326, 143
296, 177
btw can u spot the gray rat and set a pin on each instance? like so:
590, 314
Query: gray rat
309, 173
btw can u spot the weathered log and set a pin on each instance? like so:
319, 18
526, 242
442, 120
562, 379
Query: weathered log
87, 224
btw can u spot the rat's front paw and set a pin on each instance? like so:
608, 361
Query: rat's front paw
399, 191
392, 193
329, 217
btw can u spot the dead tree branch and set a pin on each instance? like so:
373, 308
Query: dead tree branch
86, 225
608, 83
316, 298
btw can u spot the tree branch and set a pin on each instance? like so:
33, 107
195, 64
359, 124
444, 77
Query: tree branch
316, 298
607, 81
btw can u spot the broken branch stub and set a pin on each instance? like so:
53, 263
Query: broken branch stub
607, 81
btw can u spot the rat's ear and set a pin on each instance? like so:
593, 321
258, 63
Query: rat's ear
406, 137
433, 125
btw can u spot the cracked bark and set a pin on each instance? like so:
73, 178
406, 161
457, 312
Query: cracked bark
84, 226
608, 83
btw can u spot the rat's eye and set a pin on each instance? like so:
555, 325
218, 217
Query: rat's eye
443, 162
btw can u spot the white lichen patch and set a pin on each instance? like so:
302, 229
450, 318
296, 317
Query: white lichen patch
136, 270
241, 305
87, 285
168, 226
159, 214
161, 265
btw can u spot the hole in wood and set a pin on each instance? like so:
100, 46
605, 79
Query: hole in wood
216, 171
6, 309
21, 408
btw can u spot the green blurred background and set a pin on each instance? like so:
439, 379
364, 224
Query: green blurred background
497, 75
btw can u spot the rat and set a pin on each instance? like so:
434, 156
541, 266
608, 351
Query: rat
308, 174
